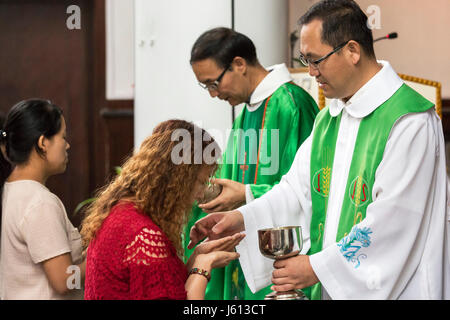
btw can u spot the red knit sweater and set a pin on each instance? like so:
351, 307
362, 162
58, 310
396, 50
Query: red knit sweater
131, 258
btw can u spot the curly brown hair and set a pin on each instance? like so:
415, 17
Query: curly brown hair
155, 180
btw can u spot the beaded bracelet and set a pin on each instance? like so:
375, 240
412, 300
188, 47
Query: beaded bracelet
202, 272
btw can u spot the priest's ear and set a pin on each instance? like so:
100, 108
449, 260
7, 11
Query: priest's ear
353, 51
239, 65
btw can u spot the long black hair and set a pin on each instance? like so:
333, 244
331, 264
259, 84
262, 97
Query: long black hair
24, 124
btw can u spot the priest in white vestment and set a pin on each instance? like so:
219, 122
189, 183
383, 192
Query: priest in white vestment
368, 187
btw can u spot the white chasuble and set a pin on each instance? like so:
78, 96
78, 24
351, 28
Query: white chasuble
408, 253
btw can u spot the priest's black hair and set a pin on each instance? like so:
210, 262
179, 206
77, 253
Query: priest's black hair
342, 20
223, 45
25, 122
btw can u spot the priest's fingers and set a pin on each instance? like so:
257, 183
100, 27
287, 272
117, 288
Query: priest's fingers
289, 281
222, 182
280, 273
195, 236
280, 263
191, 244
283, 287
230, 223
298, 269
211, 206
201, 229
218, 208
283, 280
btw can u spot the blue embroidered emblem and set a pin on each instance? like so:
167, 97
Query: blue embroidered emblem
351, 244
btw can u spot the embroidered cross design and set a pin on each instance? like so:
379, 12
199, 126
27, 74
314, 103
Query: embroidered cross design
244, 167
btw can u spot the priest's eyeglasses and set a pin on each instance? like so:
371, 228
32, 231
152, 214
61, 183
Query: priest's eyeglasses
315, 63
214, 85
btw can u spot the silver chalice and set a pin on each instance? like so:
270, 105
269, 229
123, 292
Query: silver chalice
282, 243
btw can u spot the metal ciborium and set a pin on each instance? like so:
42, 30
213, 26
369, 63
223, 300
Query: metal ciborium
212, 191
282, 243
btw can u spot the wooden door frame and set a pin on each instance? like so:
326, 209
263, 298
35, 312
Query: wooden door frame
103, 110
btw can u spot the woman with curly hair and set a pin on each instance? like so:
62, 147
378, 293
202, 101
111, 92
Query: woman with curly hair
133, 231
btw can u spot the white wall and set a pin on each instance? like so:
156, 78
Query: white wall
423, 46
165, 86
119, 49
266, 23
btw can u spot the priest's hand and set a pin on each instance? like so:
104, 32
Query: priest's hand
231, 197
215, 226
293, 273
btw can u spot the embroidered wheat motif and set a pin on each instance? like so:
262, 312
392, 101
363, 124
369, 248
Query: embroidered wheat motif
326, 180
358, 192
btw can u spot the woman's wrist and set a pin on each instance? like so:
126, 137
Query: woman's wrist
201, 266
191, 260
201, 272
202, 261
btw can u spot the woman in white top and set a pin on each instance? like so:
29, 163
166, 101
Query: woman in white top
40, 249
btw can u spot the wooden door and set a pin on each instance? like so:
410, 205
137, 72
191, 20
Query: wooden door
41, 57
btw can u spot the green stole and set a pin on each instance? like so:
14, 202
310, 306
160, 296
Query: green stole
291, 110
248, 153
371, 140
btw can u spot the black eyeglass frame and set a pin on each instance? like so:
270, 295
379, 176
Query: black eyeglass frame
215, 84
315, 64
